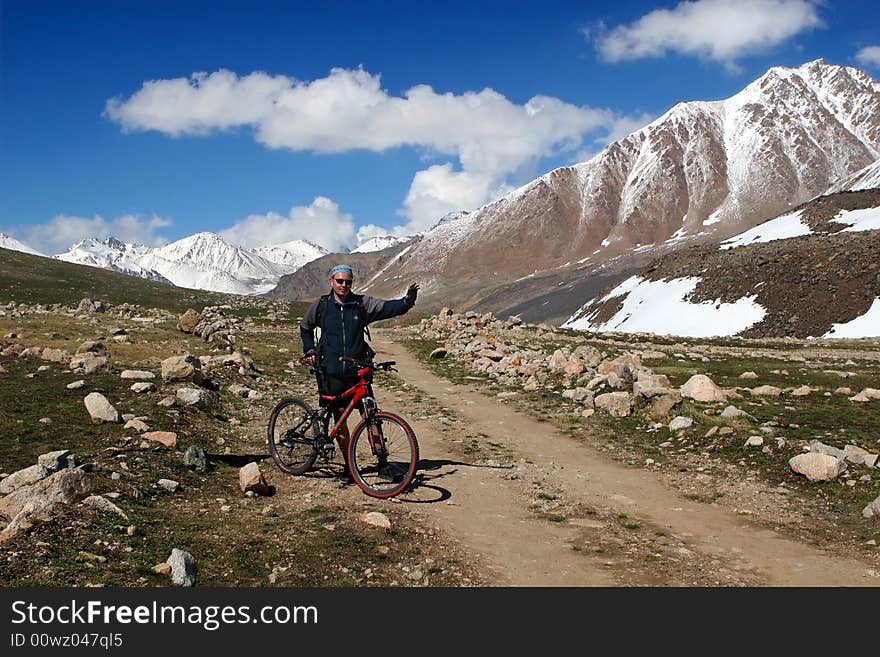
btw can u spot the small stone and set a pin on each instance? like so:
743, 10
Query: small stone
167, 438
169, 484
250, 479
680, 422
376, 519
183, 568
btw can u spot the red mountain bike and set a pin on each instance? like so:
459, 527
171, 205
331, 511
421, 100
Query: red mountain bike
382, 452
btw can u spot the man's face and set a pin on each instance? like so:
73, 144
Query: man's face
341, 283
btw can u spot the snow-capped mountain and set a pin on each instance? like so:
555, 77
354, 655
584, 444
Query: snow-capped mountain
704, 168
9, 242
294, 254
113, 254
202, 261
379, 243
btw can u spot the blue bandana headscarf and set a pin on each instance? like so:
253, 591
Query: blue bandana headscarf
341, 269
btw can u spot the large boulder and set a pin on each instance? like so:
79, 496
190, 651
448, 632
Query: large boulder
616, 404
100, 409
662, 405
624, 366
182, 368
89, 362
703, 389
21, 478
817, 467
648, 384
25, 505
188, 321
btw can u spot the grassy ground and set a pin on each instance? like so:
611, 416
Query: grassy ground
304, 535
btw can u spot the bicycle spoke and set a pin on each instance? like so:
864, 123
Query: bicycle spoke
388, 470
293, 436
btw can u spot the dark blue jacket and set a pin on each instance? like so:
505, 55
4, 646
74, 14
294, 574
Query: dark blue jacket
342, 333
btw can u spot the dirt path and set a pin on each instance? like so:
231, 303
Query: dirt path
491, 508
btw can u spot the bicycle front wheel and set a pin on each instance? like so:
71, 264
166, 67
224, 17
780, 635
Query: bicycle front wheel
294, 434
383, 455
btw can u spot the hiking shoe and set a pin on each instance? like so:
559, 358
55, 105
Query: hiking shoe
390, 474
346, 477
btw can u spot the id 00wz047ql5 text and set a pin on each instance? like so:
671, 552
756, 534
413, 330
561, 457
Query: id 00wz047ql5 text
72, 640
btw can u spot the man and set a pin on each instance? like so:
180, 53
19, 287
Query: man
342, 317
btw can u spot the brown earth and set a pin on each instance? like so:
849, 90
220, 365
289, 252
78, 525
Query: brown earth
501, 499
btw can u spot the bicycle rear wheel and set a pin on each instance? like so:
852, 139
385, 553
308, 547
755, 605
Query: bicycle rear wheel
388, 471
294, 435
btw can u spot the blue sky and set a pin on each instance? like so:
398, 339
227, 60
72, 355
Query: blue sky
272, 121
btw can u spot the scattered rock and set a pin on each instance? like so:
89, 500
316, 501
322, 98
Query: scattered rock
57, 460
188, 321
169, 484
701, 388
817, 467
251, 479
195, 397
137, 374
24, 477
103, 504
167, 438
183, 568
858, 456
137, 424
182, 368
195, 459
616, 404
680, 422
100, 409
766, 391
24, 505
376, 519
733, 411
142, 387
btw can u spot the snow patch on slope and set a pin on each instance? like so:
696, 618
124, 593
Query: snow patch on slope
659, 307
864, 326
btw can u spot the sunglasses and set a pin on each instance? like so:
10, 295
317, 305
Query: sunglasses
342, 281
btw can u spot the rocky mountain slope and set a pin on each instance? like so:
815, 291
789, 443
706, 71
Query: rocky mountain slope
808, 273
703, 171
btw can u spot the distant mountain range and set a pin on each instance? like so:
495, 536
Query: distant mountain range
202, 261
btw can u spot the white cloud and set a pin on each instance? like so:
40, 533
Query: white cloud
59, 233
439, 190
491, 137
720, 30
321, 223
869, 56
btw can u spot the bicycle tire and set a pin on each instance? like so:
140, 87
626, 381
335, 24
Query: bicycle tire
389, 476
293, 436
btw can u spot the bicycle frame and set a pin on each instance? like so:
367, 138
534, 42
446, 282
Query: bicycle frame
358, 392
